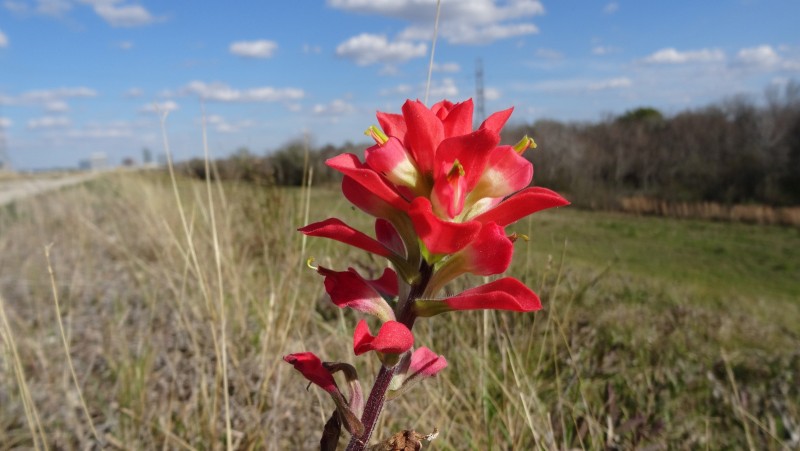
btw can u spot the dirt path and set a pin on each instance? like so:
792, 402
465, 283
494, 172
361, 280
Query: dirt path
15, 188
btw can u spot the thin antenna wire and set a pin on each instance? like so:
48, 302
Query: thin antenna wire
433, 49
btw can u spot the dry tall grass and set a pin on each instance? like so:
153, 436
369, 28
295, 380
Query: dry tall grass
610, 362
754, 214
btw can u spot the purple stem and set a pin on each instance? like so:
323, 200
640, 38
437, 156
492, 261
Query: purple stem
377, 396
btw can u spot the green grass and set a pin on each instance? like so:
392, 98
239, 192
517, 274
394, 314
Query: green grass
718, 259
654, 332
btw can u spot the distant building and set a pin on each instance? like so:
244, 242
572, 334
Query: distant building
98, 161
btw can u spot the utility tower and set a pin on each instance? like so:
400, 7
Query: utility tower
480, 108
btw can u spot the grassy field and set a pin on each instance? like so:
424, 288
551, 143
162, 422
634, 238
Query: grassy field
656, 333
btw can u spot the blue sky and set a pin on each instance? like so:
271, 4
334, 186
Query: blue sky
85, 76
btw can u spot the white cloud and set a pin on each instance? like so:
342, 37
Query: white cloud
3, 40
549, 54
97, 131
470, 33
49, 95
401, 90
261, 48
446, 67
118, 14
134, 92
763, 56
106, 130
672, 56
612, 83
222, 125
57, 106
52, 100
389, 69
337, 107
15, 7
611, 8
48, 122
125, 45
440, 89
220, 92
5, 122
575, 85
492, 93
424, 10
461, 22
444, 89
54, 8
159, 107
366, 49
601, 50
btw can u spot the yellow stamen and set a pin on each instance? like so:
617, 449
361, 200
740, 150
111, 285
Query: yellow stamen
310, 263
377, 134
515, 236
524, 144
456, 171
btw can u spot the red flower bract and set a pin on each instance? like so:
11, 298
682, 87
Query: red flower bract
310, 366
337, 230
349, 289
425, 363
507, 293
392, 338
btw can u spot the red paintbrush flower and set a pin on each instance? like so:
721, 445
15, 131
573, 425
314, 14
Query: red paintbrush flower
442, 195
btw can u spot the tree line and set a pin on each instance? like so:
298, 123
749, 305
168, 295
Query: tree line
738, 151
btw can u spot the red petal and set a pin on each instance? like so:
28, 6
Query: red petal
524, 203
442, 109
490, 253
393, 161
506, 172
503, 294
448, 195
349, 165
472, 151
365, 199
392, 338
388, 236
311, 367
386, 284
439, 236
349, 289
507, 293
426, 363
337, 230
497, 120
459, 119
425, 132
393, 124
